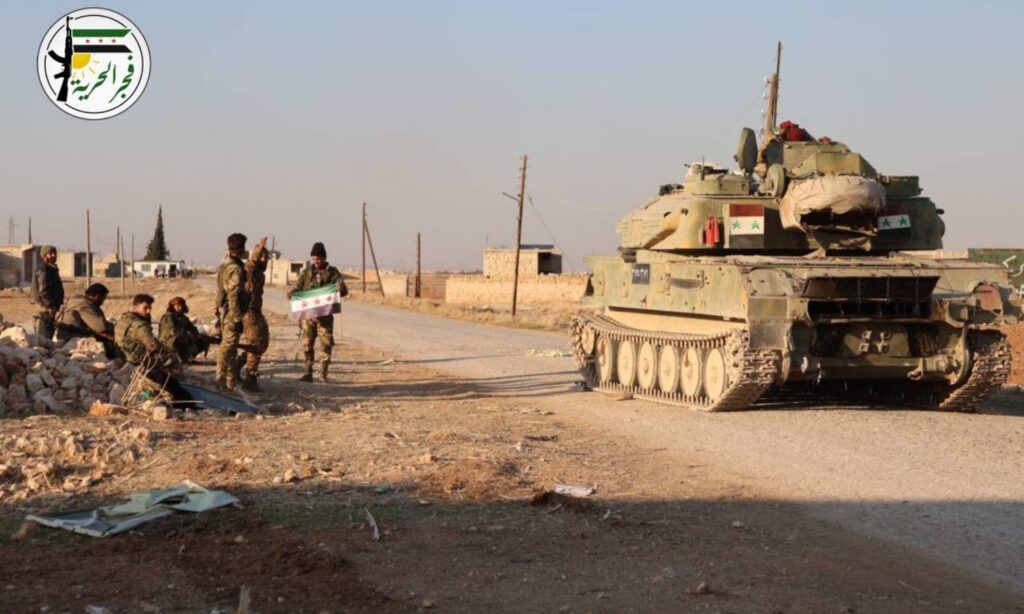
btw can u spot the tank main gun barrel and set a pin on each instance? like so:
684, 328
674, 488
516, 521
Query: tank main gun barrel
772, 113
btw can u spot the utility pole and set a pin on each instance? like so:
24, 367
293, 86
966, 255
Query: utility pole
364, 248
273, 250
519, 234
10, 231
369, 241
88, 250
30, 231
419, 275
133, 258
120, 258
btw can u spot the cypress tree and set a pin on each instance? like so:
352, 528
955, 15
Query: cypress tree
157, 248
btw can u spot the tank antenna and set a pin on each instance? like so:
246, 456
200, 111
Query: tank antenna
771, 116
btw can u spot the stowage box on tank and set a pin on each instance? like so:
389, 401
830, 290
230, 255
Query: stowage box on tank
797, 269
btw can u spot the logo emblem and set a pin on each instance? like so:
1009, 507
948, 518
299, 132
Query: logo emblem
93, 63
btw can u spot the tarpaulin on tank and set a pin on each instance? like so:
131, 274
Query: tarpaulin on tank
840, 195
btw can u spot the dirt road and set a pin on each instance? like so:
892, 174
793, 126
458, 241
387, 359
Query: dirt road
947, 485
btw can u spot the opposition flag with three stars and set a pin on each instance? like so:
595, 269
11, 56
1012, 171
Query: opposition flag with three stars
316, 302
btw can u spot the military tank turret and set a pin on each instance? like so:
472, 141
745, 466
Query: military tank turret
804, 267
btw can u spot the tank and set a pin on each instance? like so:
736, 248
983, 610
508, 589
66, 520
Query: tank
803, 269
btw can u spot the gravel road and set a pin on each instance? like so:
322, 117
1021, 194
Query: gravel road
948, 485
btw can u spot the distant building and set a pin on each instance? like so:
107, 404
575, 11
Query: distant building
17, 264
159, 268
284, 272
72, 264
534, 260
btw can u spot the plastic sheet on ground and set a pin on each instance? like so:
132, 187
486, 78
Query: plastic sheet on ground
212, 399
140, 508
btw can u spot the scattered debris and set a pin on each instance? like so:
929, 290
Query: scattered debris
702, 589
575, 491
140, 508
373, 524
68, 461
568, 502
736, 524
244, 600
548, 353
541, 437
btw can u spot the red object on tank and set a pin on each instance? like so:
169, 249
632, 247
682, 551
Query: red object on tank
712, 231
793, 132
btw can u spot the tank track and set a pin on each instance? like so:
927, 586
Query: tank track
750, 372
991, 358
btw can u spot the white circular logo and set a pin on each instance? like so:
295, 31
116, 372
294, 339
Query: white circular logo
93, 63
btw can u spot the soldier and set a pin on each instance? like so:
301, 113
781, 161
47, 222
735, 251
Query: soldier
257, 333
179, 334
134, 335
318, 274
83, 317
47, 292
232, 303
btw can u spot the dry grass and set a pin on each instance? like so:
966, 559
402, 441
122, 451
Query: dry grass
551, 317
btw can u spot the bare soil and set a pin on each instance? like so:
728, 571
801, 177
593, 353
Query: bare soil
455, 480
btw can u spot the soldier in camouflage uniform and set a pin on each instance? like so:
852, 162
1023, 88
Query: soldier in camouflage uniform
256, 333
83, 317
318, 274
134, 335
47, 293
232, 303
179, 334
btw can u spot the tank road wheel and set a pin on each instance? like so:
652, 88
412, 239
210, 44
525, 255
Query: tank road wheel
647, 366
588, 339
625, 363
605, 359
715, 378
668, 369
690, 372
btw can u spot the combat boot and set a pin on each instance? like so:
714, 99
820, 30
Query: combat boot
307, 376
251, 383
323, 373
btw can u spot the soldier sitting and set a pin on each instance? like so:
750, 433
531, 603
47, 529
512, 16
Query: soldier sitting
179, 334
83, 317
134, 335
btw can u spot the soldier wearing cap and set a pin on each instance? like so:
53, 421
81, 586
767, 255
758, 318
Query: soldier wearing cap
47, 293
256, 331
318, 273
179, 334
232, 303
83, 317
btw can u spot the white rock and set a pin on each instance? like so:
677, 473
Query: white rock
17, 334
33, 382
84, 345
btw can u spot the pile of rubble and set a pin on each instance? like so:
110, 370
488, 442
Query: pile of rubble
36, 377
68, 462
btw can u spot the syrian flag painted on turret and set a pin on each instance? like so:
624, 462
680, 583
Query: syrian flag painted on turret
315, 303
744, 224
894, 223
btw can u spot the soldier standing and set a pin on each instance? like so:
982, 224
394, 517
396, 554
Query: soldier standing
47, 293
257, 333
232, 303
134, 335
318, 273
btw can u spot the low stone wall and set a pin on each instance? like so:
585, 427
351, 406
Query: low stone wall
480, 290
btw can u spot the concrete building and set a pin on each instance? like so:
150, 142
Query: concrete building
534, 260
284, 272
17, 264
72, 264
159, 268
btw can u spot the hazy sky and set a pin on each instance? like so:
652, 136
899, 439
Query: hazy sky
283, 117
